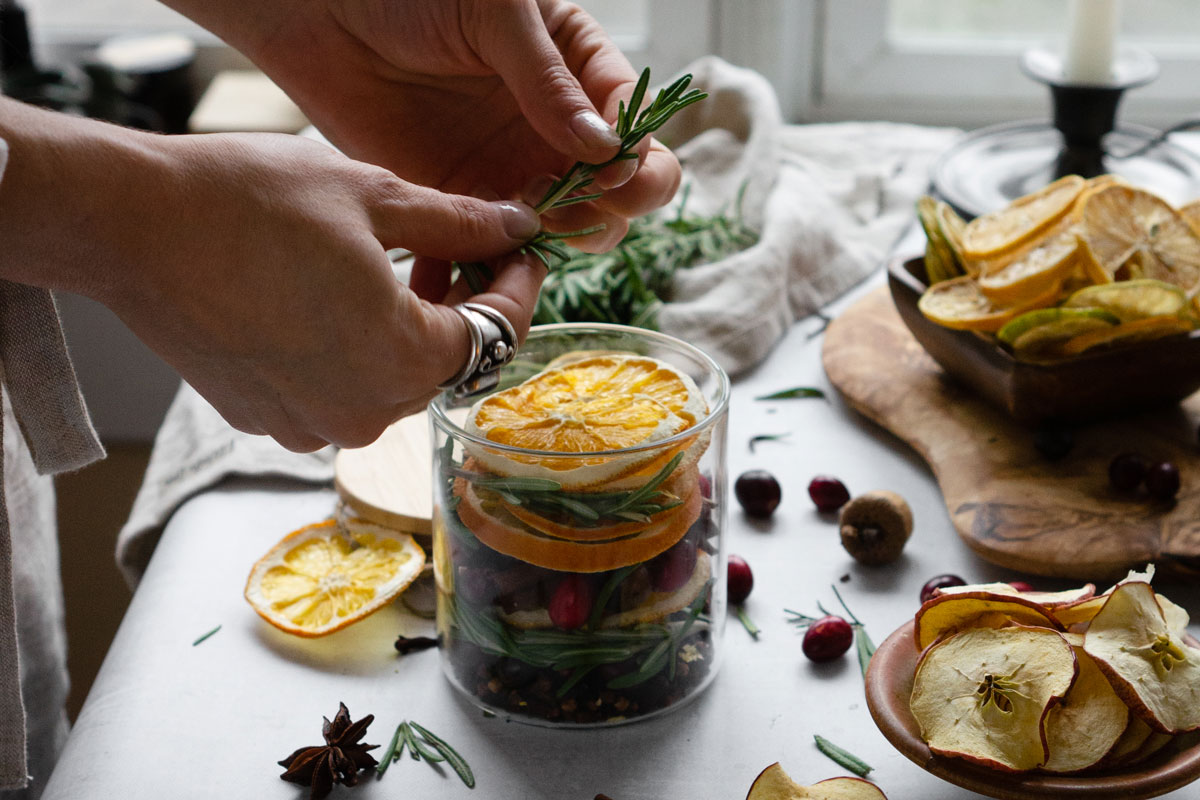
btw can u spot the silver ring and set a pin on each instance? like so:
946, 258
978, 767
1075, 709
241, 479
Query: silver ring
493, 344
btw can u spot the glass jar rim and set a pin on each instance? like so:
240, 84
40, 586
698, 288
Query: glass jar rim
438, 413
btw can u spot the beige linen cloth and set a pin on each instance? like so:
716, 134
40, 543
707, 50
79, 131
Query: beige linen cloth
53, 434
830, 200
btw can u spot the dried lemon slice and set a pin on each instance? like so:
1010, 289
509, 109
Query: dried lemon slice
1049, 263
1130, 300
325, 576
602, 403
1134, 229
1139, 330
1023, 219
959, 304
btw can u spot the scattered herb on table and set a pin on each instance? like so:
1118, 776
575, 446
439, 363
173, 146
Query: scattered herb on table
339, 760
792, 394
204, 636
844, 758
422, 743
766, 437
633, 124
747, 623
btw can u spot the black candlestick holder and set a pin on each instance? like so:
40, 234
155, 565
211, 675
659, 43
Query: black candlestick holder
993, 166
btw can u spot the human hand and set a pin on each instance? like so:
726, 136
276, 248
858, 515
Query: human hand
492, 98
256, 266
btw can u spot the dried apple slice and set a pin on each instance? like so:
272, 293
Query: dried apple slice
775, 784
983, 694
1046, 599
1150, 666
953, 611
1082, 729
1134, 736
1153, 743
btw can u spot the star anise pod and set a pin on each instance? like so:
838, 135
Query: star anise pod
337, 761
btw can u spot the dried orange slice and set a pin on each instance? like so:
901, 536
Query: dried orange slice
493, 525
1047, 264
602, 403
1138, 330
1134, 229
1021, 220
325, 576
959, 304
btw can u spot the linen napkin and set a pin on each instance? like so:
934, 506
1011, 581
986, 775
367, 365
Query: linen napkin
829, 200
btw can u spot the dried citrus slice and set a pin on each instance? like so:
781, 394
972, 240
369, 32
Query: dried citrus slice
1046, 341
1191, 213
1047, 264
592, 405
1020, 221
1092, 186
1130, 300
1121, 223
1138, 330
484, 514
941, 257
1056, 318
952, 227
959, 304
325, 576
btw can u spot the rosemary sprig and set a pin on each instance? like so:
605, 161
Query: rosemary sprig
629, 284
633, 125
844, 758
204, 636
863, 645
585, 509
424, 744
747, 623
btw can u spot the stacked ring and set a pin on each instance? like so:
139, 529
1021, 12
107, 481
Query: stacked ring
493, 344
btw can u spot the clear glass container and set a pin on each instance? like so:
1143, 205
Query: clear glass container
583, 588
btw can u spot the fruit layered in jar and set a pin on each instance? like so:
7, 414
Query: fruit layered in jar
577, 562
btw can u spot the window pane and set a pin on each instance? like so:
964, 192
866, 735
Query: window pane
1170, 22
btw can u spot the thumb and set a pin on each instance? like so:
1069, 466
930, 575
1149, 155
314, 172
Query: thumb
446, 226
520, 49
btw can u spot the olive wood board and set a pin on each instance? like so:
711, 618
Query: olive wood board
1011, 505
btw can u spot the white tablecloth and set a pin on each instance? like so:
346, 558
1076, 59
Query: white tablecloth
166, 719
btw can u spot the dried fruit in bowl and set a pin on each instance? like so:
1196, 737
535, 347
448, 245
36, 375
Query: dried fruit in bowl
1022, 220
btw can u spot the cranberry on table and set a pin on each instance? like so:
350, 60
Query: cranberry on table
1127, 471
571, 603
934, 584
741, 580
1162, 481
758, 492
828, 494
827, 638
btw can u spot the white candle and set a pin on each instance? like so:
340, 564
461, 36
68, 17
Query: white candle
1091, 41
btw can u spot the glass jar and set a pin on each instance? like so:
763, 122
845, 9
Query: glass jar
581, 583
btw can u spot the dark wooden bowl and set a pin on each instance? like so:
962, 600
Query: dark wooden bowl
1090, 386
889, 686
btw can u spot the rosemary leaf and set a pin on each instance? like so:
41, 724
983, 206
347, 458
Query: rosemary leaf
844, 758
606, 593
457, 762
390, 754
748, 623
864, 648
204, 636
416, 745
791, 394
766, 437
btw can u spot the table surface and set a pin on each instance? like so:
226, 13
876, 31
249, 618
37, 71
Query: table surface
168, 719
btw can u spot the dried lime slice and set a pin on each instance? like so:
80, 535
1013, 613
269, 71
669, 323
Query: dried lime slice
1130, 300
1064, 320
941, 255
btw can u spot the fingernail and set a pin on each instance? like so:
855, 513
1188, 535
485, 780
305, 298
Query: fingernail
520, 221
594, 131
618, 174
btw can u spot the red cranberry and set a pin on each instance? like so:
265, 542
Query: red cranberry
1127, 471
1021, 586
828, 494
758, 492
571, 603
741, 580
671, 570
705, 485
827, 638
1162, 481
933, 585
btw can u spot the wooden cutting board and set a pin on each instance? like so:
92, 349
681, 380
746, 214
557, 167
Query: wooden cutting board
1010, 504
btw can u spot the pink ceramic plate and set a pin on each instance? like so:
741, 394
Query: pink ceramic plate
889, 684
